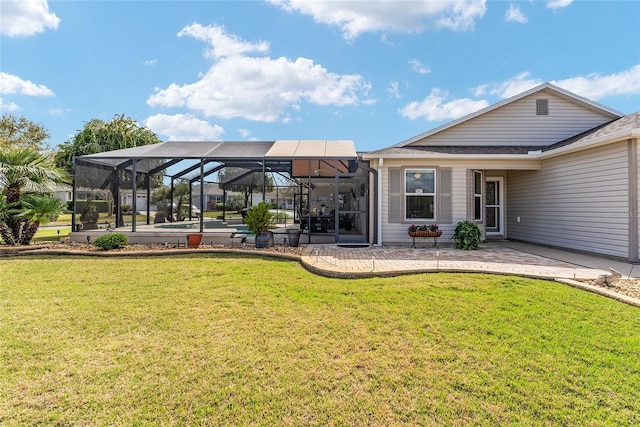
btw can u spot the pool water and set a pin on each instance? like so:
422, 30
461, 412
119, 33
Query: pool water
241, 228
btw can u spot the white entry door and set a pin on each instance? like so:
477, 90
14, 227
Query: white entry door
494, 211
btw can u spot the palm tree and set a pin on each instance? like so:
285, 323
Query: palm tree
38, 210
6, 211
25, 170
162, 198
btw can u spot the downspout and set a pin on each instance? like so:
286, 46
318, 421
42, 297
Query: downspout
376, 232
379, 190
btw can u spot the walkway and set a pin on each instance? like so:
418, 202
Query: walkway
501, 257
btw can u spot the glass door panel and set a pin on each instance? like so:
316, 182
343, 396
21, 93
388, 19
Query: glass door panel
351, 208
493, 211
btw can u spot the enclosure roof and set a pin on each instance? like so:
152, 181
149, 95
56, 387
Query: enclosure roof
233, 150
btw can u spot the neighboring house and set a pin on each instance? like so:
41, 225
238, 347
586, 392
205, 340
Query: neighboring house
546, 166
62, 192
213, 194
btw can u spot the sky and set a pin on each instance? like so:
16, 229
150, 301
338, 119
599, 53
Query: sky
375, 72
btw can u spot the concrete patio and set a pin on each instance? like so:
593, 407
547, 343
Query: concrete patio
496, 257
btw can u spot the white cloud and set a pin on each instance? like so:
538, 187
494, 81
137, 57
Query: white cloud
222, 43
595, 86
435, 107
480, 90
150, 62
26, 17
419, 67
58, 111
259, 88
355, 18
11, 106
393, 90
592, 86
514, 14
10, 84
514, 86
244, 133
183, 127
558, 4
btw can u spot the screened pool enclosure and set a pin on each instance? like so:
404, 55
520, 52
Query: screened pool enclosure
319, 186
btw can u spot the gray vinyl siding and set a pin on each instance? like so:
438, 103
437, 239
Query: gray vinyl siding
575, 201
394, 231
518, 124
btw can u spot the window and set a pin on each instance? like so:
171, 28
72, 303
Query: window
477, 196
420, 192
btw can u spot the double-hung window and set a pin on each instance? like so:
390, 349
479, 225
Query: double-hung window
420, 194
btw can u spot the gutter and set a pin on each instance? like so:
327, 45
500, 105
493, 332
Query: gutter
595, 142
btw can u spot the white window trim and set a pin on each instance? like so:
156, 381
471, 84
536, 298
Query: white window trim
477, 195
405, 194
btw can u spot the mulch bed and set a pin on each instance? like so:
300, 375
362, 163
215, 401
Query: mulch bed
79, 248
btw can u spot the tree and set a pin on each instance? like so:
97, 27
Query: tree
162, 198
98, 136
246, 185
18, 132
6, 212
38, 209
24, 170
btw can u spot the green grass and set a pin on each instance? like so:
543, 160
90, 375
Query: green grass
51, 234
228, 340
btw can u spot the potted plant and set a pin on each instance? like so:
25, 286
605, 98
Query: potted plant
425, 230
194, 239
467, 235
259, 221
293, 235
89, 216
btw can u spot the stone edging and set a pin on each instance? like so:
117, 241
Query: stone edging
601, 291
304, 260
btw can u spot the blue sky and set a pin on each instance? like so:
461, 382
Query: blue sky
376, 72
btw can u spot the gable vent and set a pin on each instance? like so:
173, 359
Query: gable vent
542, 107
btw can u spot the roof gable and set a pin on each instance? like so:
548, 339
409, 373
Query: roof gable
514, 121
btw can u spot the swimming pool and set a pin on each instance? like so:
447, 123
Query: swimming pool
240, 228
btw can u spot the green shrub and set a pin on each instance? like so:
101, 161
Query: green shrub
111, 241
467, 235
259, 218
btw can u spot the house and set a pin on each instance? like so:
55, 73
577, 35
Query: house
62, 192
546, 166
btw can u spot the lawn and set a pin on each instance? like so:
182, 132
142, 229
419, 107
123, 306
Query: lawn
228, 340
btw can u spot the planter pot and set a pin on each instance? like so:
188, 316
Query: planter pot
294, 237
193, 240
264, 240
